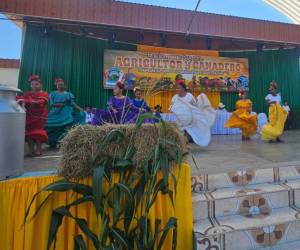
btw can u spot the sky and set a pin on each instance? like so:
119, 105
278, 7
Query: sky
10, 34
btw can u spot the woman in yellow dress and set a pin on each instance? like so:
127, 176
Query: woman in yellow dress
242, 118
277, 116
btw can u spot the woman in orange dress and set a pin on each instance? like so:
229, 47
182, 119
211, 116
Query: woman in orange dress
242, 118
35, 103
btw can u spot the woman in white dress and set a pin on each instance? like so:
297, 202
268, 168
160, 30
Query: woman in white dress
277, 116
204, 105
189, 117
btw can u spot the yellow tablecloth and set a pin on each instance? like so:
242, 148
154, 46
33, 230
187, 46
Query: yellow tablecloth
16, 194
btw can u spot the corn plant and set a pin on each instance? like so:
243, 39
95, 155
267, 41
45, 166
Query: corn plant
123, 206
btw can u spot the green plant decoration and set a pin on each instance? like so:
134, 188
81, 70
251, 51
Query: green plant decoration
122, 206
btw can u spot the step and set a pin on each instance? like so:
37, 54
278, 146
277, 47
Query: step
293, 245
241, 232
244, 177
294, 186
229, 201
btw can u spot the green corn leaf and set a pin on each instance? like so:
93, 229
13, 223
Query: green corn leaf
56, 220
116, 204
138, 242
171, 224
127, 191
29, 206
115, 135
83, 189
104, 230
80, 201
129, 152
63, 211
79, 243
85, 229
129, 205
174, 240
60, 186
139, 191
146, 116
158, 187
171, 196
156, 233
97, 187
119, 236
38, 208
164, 167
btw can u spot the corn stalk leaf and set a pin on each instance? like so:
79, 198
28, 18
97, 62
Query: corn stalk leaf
60, 186
85, 229
97, 187
79, 243
83, 189
156, 232
64, 211
146, 116
56, 220
159, 186
38, 208
171, 224
119, 236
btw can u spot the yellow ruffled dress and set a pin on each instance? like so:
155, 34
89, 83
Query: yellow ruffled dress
243, 119
275, 127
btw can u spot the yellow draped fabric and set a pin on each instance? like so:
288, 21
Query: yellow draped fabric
163, 98
16, 194
242, 118
277, 118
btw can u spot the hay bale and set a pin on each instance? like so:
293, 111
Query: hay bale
81, 145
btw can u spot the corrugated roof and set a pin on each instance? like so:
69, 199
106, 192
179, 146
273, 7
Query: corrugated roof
9, 63
158, 19
289, 8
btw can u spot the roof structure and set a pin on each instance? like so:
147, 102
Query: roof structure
133, 19
9, 63
290, 8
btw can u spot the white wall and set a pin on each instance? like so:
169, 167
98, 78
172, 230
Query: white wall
9, 76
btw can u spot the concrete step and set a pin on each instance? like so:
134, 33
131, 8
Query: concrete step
244, 232
293, 245
244, 177
234, 200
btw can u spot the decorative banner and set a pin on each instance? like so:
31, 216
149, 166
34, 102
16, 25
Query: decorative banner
159, 71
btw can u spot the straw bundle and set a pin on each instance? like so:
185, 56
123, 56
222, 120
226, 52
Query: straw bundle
81, 146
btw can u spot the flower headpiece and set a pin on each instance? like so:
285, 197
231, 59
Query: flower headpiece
120, 85
59, 80
136, 89
34, 78
274, 85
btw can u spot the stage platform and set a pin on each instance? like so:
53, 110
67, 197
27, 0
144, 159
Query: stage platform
225, 153
228, 152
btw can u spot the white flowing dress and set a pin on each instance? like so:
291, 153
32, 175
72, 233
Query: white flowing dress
191, 119
204, 105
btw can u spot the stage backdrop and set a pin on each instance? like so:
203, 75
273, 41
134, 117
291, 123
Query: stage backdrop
279, 65
158, 71
79, 60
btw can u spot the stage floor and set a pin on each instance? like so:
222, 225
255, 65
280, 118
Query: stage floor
225, 153
229, 152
